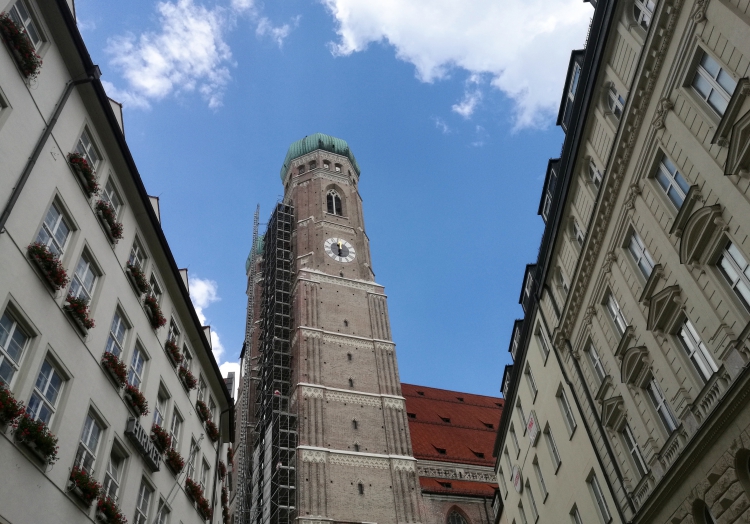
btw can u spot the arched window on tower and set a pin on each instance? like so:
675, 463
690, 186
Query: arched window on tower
333, 203
456, 518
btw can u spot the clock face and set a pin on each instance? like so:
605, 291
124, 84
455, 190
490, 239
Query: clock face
339, 249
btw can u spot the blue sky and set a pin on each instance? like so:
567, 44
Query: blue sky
448, 106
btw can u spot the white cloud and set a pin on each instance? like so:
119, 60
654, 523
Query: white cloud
277, 34
186, 54
441, 125
524, 45
203, 293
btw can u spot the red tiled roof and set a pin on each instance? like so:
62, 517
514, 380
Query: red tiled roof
457, 487
438, 420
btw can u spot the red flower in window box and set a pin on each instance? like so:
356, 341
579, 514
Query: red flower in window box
225, 515
29, 62
108, 512
107, 214
195, 492
36, 435
212, 430
224, 496
84, 485
202, 410
174, 352
230, 455
154, 312
187, 378
85, 173
174, 460
78, 308
49, 264
160, 438
222, 470
10, 408
137, 401
116, 368
138, 278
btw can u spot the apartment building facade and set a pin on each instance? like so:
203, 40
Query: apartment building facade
126, 414
641, 286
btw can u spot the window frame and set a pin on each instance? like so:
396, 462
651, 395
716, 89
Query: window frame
615, 314
76, 279
696, 351
742, 278
639, 253
42, 395
140, 375
531, 382
138, 256
52, 242
532, 501
644, 14
661, 406
671, 179
595, 175
113, 337
596, 362
615, 102
552, 447
110, 187
514, 438
16, 326
567, 410
140, 517
84, 444
108, 475
540, 478
80, 148
33, 21
698, 69
634, 450
599, 499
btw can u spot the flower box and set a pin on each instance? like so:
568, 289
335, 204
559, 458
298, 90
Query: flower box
36, 436
137, 278
160, 438
188, 379
174, 461
29, 62
202, 410
174, 352
84, 486
49, 264
195, 492
154, 312
108, 512
116, 368
224, 496
79, 310
10, 408
85, 173
108, 218
136, 400
212, 430
222, 470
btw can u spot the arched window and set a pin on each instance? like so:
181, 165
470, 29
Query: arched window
361, 488
333, 203
643, 10
456, 518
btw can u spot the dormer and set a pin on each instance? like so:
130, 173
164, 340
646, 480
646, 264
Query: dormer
572, 79
506, 380
515, 338
528, 289
548, 190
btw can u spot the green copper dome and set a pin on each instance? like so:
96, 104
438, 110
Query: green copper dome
317, 141
258, 249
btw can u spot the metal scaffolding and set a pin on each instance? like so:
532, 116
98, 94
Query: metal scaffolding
273, 478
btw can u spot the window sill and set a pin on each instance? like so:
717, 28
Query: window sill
572, 432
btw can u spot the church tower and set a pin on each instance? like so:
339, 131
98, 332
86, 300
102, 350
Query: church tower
331, 438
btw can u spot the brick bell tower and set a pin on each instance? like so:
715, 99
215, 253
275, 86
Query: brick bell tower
353, 457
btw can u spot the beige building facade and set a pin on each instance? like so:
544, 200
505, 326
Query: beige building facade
642, 287
126, 412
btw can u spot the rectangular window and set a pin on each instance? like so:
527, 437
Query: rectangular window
641, 256
736, 270
187, 358
13, 340
547, 206
552, 445
85, 147
521, 414
575, 516
567, 411
55, 230
510, 464
672, 182
616, 102
633, 449
596, 361
137, 363
595, 175
540, 479
156, 291
202, 388
142, 504
543, 345
532, 383
528, 287
160, 409
21, 16
47, 388
109, 195
88, 445
174, 430
661, 406
601, 503
522, 513
503, 482
713, 84
174, 332
162, 514
616, 314
84, 278
192, 458
578, 233
116, 337
697, 351
137, 255
514, 437
532, 502
516, 342
212, 408
205, 474
113, 475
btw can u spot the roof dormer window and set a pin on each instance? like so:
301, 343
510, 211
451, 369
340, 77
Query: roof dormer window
571, 95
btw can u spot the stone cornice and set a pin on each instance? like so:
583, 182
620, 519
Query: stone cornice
342, 338
318, 277
356, 459
450, 470
347, 396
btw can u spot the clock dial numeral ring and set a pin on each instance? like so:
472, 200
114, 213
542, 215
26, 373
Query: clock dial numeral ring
339, 249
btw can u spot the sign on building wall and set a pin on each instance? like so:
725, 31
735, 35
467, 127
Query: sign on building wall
517, 480
532, 428
143, 443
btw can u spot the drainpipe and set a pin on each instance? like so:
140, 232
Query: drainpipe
92, 75
218, 456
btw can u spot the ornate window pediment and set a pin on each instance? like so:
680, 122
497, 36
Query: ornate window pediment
702, 235
635, 366
613, 413
664, 310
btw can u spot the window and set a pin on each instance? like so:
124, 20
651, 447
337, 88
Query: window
202, 388
543, 345
570, 95
113, 475
116, 337
21, 16
540, 478
13, 340
87, 149
212, 408
521, 414
713, 83
596, 361
615, 102
522, 513
326, 164
204, 474
142, 504
532, 383
333, 203
510, 464
552, 445
55, 231
514, 437
46, 392
351, 383
360, 486
567, 412
661, 406
82, 284
697, 351
156, 291
578, 233
528, 287
456, 518
616, 314
313, 164
110, 195
575, 516
135, 374
441, 451
337, 168
736, 270
643, 11
162, 514
641, 255
137, 255
547, 206
595, 175
411, 415
516, 341
187, 358
633, 449
174, 430
174, 332
562, 283
355, 424
356, 447
532, 502
87, 447
348, 356
192, 458
503, 482
601, 503
672, 182
160, 410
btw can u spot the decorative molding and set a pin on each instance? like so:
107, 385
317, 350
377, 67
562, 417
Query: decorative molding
662, 108
665, 310
703, 231
333, 225
454, 472
350, 397
610, 259
388, 347
353, 398
589, 315
357, 461
403, 465
394, 403
311, 392
633, 191
322, 278
311, 455
699, 11
613, 413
